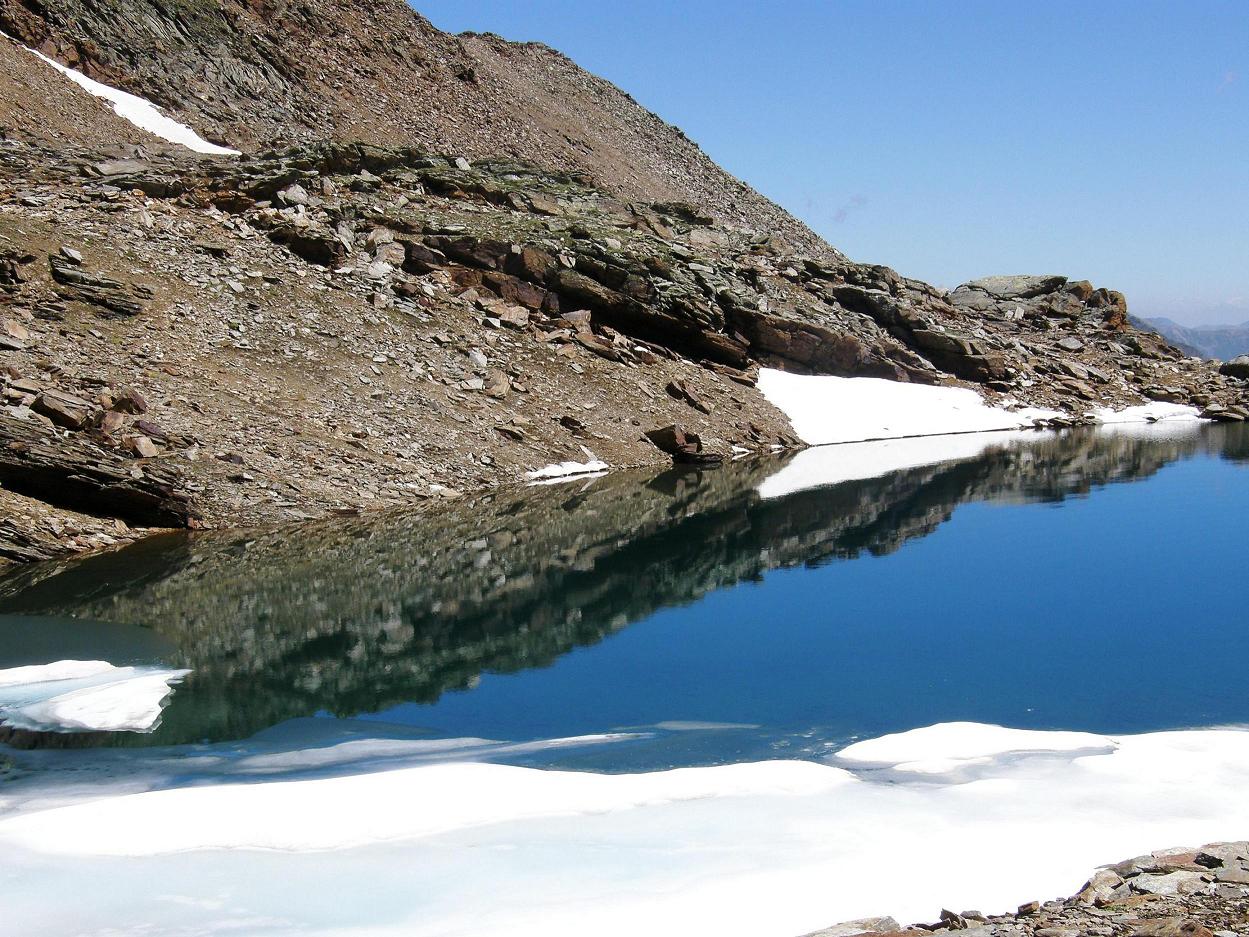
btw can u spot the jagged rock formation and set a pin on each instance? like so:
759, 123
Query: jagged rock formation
1177, 892
347, 617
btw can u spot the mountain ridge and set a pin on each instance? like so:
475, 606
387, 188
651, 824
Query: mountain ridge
1216, 342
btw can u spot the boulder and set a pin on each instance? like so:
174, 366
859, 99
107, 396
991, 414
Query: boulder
1237, 367
863, 926
1170, 927
684, 447
681, 390
1013, 287
1180, 882
127, 400
64, 410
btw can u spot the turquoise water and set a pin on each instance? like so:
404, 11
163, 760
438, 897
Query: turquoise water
1090, 582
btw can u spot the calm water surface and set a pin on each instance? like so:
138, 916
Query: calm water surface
1090, 581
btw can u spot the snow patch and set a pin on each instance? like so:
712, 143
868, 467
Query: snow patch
139, 111
1152, 412
563, 470
85, 696
945, 747
825, 409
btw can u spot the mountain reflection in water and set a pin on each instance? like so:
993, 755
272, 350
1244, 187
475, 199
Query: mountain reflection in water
357, 615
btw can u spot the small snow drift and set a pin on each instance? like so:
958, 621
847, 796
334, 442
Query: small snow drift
571, 469
1153, 412
825, 409
946, 747
85, 696
139, 111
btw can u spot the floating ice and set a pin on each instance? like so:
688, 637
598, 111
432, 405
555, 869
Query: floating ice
139, 111
84, 696
768, 849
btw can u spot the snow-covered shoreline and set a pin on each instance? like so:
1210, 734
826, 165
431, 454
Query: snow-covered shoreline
824, 409
996, 817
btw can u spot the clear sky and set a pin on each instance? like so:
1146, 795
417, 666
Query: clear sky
951, 140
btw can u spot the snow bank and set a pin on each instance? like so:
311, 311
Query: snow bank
768, 849
825, 409
821, 466
1155, 411
85, 696
949, 746
139, 111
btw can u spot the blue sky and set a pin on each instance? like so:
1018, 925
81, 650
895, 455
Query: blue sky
952, 140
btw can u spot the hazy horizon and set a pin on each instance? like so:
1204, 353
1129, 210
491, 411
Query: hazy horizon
1097, 142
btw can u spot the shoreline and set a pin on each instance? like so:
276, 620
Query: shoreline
1178, 892
69, 534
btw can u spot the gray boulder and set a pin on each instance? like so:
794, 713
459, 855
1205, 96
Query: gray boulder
1237, 367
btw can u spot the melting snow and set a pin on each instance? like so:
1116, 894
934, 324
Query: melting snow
994, 816
139, 111
562, 470
84, 696
825, 409
1148, 413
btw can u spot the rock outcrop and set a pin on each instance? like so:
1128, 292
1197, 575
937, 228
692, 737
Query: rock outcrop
1180, 892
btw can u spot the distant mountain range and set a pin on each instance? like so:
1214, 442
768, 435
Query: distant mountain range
1224, 342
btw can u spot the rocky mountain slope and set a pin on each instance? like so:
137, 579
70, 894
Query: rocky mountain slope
253, 73
330, 326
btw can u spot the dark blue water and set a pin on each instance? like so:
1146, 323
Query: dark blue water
1090, 582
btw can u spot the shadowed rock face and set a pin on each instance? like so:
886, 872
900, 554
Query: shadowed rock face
360, 615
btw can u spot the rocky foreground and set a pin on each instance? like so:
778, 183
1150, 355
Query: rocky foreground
1181, 892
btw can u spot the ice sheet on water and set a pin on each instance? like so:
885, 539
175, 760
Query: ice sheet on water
84, 696
766, 848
